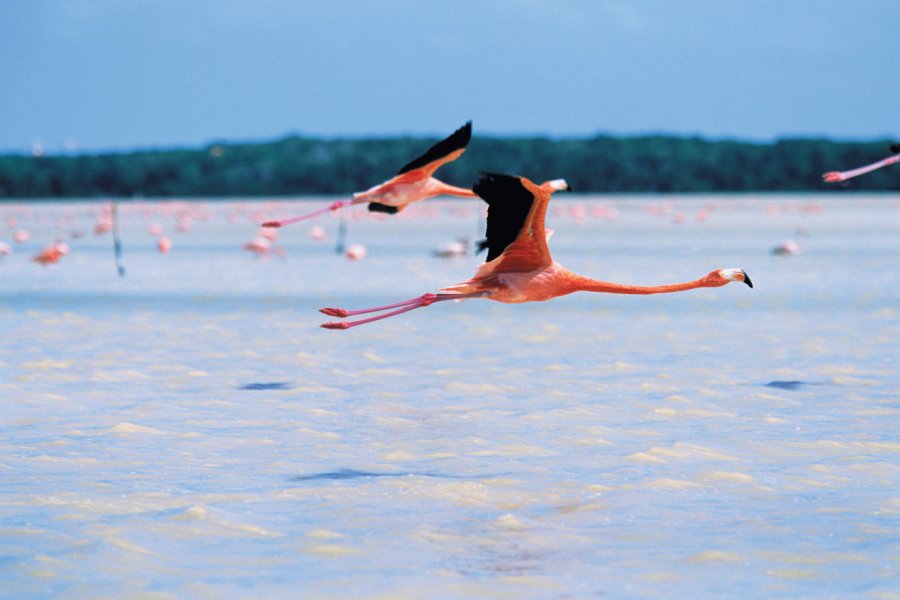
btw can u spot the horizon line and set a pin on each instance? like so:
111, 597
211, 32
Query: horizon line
38, 149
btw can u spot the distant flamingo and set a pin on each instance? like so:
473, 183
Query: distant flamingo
51, 254
104, 224
258, 245
838, 176
459, 247
355, 252
786, 248
414, 182
263, 245
519, 267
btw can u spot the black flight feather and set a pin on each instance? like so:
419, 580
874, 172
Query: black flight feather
458, 139
509, 203
383, 208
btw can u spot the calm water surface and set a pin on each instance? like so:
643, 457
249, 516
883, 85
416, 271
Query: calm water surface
188, 431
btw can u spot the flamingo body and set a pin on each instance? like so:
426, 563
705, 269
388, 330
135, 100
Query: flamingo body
519, 266
414, 182
396, 194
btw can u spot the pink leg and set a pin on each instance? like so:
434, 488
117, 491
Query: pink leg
423, 300
838, 176
333, 206
402, 307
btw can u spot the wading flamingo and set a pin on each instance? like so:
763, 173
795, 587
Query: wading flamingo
519, 267
51, 254
414, 182
839, 176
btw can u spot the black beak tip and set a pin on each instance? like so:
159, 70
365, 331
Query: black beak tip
747, 280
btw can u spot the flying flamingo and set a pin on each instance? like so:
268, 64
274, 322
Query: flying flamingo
519, 267
838, 176
414, 182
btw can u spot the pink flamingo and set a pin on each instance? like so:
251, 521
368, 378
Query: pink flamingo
263, 245
51, 254
838, 176
355, 252
414, 182
258, 245
519, 267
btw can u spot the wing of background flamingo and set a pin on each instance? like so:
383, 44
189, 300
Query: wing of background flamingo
447, 150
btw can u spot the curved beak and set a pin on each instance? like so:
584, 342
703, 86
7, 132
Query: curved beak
747, 278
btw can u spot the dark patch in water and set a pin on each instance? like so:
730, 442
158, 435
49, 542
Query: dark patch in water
354, 474
789, 385
275, 385
345, 474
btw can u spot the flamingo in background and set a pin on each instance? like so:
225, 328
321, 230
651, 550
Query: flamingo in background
838, 176
51, 254
414, 182
519, 267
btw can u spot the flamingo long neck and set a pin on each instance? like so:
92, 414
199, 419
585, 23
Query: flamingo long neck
586, 284
451, 190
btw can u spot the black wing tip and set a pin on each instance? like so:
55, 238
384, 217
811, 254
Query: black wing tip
462, 136
458, 140
895, 148
383, 208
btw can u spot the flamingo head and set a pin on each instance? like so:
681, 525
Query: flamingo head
723, 276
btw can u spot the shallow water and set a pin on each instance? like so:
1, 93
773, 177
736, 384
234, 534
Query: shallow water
189, 431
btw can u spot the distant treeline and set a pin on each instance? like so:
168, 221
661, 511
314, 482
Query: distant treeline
303, 165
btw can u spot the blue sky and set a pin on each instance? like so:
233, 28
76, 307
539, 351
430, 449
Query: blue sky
96, 75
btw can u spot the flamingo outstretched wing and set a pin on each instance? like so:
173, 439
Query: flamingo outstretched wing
447, 150
516, 235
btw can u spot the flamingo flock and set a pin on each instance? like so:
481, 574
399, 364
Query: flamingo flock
518, 267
